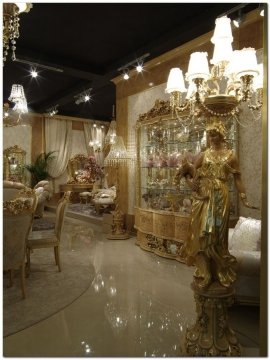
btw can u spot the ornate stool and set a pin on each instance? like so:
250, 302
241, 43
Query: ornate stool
85, 196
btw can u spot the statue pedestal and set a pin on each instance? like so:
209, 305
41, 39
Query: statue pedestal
118, 230
211, 334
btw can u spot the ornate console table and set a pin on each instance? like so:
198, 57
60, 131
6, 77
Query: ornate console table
75, 189
161, 232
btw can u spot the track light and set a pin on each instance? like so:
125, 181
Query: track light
52, 111
138, 64
139, 67
238, 20
34, 73
126, 75
261, 9
84, 96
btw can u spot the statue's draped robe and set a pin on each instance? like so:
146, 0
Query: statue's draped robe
210, 217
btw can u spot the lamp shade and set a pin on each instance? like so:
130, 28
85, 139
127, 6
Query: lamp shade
222, 30
244, 63
175, 81
222, 51
258, 81
23, 7
198, 66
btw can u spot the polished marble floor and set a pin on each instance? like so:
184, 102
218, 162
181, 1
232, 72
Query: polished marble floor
138, 305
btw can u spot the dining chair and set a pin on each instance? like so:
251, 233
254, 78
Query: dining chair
49, 238
18, 215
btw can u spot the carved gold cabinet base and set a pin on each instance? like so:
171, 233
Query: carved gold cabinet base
211, 334
162, 233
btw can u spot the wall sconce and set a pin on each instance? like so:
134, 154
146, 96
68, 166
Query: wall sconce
11, 19
96, 145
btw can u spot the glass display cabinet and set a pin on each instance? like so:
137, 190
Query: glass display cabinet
14, 162
163, 207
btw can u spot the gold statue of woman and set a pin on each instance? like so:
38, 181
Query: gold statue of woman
207, 247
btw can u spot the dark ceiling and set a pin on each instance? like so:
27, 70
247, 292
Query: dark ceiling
82, 45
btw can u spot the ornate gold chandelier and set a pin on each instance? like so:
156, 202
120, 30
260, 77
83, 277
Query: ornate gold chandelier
235, 78
11, 19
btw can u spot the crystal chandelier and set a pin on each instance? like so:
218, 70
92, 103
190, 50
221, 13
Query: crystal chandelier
111, 134
117, 157
118, 153
11, 25
235, 78
17, 96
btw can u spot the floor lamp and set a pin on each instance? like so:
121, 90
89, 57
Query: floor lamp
117, 157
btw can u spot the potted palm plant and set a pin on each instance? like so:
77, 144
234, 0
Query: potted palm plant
39, 169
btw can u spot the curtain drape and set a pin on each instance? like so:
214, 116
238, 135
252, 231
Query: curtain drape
58, 135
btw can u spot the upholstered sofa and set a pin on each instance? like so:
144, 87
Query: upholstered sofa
245, 245
11, 189
44, 193
104, 198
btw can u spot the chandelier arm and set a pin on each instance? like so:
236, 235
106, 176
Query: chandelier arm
182, 108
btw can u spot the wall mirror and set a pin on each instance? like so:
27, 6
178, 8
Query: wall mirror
14, 162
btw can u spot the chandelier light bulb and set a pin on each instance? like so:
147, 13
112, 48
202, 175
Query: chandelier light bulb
86, 98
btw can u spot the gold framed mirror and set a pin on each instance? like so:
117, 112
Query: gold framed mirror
14, 162
75, 167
